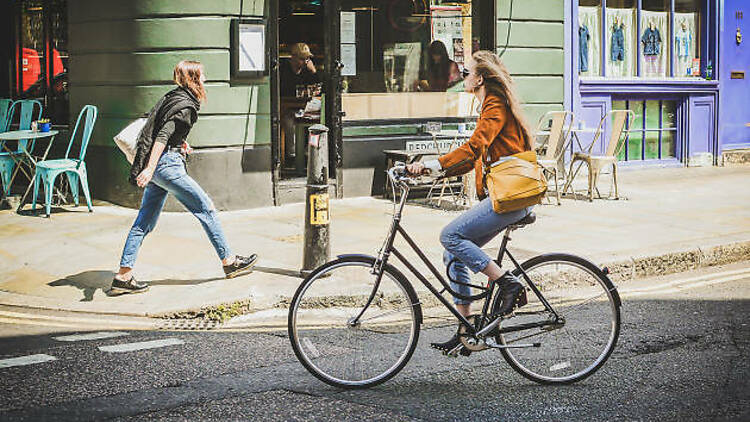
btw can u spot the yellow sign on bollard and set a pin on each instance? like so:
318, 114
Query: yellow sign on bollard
319, 209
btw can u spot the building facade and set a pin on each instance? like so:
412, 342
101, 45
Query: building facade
678, 64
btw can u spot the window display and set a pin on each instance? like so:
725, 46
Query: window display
589, 51
620, 36
685, 45
654, 51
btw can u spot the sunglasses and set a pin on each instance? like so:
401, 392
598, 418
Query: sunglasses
465, 73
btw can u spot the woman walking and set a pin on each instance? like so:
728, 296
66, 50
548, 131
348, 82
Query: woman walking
159, 167
501, 131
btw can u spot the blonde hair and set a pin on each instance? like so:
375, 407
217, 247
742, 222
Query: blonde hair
497, 81
187, 74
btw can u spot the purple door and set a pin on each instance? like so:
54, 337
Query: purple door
734, 113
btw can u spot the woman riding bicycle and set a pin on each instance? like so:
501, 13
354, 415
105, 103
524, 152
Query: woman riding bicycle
501, 130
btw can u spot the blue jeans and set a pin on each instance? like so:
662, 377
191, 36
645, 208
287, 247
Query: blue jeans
170, 177
463, 238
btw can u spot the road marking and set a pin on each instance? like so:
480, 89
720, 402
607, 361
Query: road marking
91, 336
25, 360
142, 345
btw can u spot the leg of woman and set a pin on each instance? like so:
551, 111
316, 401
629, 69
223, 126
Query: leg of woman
151, 206
460, 272
175, 179
464, 236
463, 239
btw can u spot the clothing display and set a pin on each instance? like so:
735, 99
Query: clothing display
618, 43
651, 40
583, 49
683, 39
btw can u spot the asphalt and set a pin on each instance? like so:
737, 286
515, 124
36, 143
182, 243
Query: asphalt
670, 220
682, 355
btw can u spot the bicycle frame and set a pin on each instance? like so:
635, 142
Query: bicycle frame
487, 292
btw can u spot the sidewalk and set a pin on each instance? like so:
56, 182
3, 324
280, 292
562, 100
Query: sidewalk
672, 220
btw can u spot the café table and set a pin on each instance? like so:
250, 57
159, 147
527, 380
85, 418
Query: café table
33, 136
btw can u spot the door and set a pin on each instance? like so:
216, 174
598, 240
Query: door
333, 89
273, 44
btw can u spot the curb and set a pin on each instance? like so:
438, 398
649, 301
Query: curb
677, 262
212, 316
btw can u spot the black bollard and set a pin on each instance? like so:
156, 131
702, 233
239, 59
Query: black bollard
317, 234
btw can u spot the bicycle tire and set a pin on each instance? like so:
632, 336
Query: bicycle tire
514, 356
303, 355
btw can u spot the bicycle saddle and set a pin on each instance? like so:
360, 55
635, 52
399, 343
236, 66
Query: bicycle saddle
529, 219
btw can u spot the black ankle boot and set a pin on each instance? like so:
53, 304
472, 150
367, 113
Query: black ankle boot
511, 292
451, 344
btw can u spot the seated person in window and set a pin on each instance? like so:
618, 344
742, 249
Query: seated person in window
299, 71
442, 72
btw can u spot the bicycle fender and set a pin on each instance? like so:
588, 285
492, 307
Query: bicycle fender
355, 255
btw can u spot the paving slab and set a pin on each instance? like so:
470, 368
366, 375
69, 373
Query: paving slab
673, 219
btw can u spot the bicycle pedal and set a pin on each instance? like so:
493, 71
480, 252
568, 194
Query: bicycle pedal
454, 351
521, 300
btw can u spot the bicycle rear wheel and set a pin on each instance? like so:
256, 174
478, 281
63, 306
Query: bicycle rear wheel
331, 345
589, 307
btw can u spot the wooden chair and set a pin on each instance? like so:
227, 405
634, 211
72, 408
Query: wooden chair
596, 163
553, 158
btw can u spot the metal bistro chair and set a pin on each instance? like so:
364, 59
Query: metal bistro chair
552, 160
596, 163
74, 169
8, 159
5, 104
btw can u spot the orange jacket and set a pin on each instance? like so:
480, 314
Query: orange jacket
497, 133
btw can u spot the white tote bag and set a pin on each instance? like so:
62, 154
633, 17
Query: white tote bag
128, 137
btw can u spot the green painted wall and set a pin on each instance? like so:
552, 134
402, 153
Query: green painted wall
535, 55
122, 56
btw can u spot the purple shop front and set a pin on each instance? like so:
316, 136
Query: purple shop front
675, 63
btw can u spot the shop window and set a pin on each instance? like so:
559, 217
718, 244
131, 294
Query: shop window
43, 56
589, 37
397, 47
654, 38
652, 132
686, 37
621, 35
646, 38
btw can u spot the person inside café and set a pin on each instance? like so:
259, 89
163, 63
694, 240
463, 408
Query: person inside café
295, 78
442, 72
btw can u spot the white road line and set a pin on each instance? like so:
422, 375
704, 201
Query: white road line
25, 360
91, 336
131, 347
741, 273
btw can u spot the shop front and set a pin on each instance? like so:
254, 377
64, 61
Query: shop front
658, 58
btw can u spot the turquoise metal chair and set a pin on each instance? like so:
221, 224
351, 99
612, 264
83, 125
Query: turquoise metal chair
5, 104
74, 169
8, 159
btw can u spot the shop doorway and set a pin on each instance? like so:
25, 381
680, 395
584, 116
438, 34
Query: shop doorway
304, 87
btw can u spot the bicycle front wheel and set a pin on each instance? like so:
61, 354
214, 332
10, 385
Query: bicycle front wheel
351, 330
587, 327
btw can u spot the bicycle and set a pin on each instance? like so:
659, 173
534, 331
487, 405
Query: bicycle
359, 305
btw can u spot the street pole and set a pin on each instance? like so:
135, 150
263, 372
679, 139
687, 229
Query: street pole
317, 234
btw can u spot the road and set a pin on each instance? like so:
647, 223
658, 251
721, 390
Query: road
683, 354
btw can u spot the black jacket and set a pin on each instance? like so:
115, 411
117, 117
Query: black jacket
168, 107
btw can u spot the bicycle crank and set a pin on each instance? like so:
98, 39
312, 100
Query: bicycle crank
468, 340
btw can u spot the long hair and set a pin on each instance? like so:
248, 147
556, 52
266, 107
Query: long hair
497, 81
187, 74
442, 69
